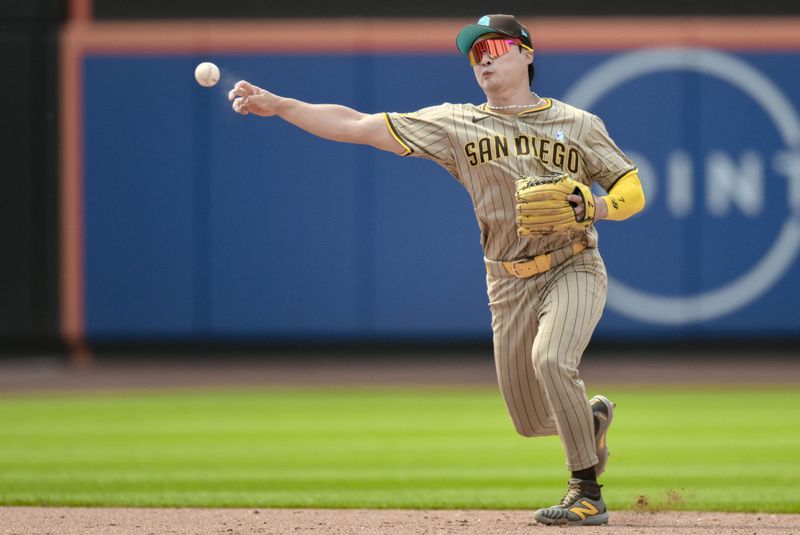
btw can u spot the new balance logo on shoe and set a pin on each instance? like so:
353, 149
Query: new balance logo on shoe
586, 509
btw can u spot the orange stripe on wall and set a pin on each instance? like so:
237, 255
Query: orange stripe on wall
71, 204
81, 10
425, 35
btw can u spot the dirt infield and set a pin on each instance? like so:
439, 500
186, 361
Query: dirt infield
85, 521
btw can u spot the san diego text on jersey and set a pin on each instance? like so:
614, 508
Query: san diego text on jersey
547, 151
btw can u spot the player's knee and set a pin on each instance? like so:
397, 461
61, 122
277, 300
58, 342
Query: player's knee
543, 363
552, 367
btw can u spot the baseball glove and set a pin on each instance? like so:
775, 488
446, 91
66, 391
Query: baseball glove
542, 206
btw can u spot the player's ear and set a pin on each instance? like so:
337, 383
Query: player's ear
528, 56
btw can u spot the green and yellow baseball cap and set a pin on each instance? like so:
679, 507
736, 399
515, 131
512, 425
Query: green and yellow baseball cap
502, 24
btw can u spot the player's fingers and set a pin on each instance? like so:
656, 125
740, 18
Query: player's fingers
242, 88
236, 92
577, 204
246, 86
239, 106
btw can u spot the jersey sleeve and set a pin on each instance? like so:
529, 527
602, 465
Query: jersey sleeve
605, 162
425, 134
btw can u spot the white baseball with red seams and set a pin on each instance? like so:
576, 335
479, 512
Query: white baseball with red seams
206, 74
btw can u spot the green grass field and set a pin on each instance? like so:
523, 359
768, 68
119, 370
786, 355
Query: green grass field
692, 449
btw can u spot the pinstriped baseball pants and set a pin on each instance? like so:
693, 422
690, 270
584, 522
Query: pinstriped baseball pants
541, 327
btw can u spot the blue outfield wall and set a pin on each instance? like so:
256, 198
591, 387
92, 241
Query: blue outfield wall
201, 224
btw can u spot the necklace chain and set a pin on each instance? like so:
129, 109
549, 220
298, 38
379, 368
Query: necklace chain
510, 106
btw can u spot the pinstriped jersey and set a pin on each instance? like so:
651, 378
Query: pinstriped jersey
487, 151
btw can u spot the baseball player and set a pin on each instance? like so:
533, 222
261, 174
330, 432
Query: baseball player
547, 288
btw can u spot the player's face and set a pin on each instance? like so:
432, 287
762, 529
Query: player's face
499, 65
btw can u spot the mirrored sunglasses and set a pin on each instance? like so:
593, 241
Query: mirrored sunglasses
494, 47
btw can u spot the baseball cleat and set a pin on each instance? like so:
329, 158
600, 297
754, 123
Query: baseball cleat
582, 506
603, 412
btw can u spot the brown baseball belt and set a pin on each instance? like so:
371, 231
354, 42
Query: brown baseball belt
529, 267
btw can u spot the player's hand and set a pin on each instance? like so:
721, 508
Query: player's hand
249, 98
601, 208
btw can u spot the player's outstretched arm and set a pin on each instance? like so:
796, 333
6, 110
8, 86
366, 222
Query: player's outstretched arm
329, 121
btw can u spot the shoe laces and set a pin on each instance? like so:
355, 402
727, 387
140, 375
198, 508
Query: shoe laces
578, 489
573, 492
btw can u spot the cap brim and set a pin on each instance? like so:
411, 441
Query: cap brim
469, 34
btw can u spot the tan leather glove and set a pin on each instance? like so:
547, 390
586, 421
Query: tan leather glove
542, 206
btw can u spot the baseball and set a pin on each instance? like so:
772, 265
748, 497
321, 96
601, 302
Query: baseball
206, 74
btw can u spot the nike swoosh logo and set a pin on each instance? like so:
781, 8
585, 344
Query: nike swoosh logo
478, 119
